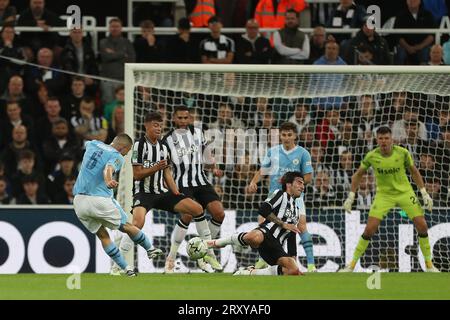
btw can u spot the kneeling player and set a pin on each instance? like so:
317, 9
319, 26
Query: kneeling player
152, 173
282, 216
94, 204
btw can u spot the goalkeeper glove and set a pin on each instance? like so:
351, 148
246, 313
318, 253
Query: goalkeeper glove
348, 202
427, 201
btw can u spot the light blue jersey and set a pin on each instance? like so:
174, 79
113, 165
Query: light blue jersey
282, 161
90, 179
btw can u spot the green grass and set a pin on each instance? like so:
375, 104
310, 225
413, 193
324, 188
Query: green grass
225, 286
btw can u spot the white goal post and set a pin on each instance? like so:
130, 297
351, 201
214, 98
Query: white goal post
352, 91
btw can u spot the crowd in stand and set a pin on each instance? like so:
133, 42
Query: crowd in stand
47, 115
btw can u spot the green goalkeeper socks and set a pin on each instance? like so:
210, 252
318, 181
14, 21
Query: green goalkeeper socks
424, 243
359, 251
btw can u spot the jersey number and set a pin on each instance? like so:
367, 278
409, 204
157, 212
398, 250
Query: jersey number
413, 199
94, 159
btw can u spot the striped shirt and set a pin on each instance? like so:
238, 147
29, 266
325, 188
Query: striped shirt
147, 154
217, 48
186, 153
285, 208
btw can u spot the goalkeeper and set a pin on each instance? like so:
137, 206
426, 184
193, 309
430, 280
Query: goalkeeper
389, 163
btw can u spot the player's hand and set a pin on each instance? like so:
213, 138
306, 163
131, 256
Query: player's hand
161, 165
112, 184
427, 201
348, 202
252, 187
291, 227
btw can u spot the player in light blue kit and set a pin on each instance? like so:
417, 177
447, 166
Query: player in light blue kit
286, 157
94, 203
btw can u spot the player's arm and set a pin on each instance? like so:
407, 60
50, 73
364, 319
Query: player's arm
418, 180
292, 245
170, 182
253, 185
356, 180
108, 176
139, 172
272, 204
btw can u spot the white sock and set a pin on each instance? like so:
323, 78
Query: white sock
126, 244
214, 227
235, 239
202, 227
178, 235
269, 271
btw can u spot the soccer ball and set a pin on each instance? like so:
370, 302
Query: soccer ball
196, 248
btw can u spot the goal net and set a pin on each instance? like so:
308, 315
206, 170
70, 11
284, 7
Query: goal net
337, 111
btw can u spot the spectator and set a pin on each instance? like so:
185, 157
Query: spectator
5, 198
307, 137
446, 52
272, 14
323, 193
399, 126
269, 120
61, 141
34, 76
115, 51
366, 192
14, 92
10, 154
331, 56
14, 118
348, 141
45, 123
434, 129
226, 120
343, 175
365, 55
26, 167
368, 37
436, 191
346, 15
88, 126
78, 56
365, 118
393, 110
317, 158
66, 168
7, 13
117, 123
216, 48
291, 44
317, 44
301, 117
71, 102
436, 56
38, 16
181, 47
427, 165
145, 45
119, 100
251, 47
438, 9
9, 48
328, 129
32, 193
414, 48
66, 195
443, 145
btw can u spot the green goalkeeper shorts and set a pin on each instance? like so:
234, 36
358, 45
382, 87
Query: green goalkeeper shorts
383, 203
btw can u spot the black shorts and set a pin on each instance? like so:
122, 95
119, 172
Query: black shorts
202, 194
271, 249
164, 201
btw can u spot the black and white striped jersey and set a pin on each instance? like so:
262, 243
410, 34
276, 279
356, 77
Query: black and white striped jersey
285, 208
186, 152
147, 154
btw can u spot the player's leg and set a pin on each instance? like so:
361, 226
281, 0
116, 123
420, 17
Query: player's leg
126, 244
140, 238
381, 206
306, 236
178, 235
113, 252
194, 209
242, 239
411, 205
215, 208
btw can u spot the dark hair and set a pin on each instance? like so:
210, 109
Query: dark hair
59, 121
77, 78
184, 24
365, 48
289, 126
29, 178
121, 87
9, 102
292, 11
147, 24
153, 116
53, 98
289, 177
70, 178
384, 130
27, 154
180, 108
115, 20
88, 100
214, 19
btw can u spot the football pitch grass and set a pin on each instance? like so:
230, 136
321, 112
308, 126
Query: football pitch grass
227, 287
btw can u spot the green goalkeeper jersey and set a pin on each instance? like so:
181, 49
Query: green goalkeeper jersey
390, 172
